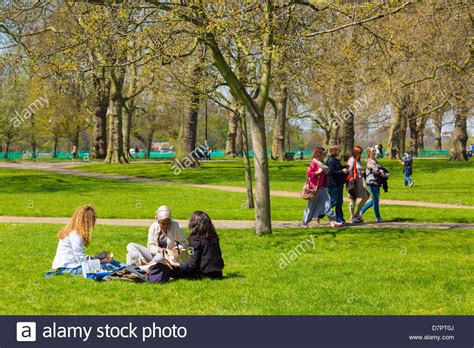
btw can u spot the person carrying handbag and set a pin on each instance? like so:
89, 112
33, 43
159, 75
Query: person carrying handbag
317, 181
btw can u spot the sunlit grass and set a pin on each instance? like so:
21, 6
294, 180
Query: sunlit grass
349, 272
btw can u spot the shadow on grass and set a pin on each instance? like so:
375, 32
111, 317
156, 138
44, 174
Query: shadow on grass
232, 275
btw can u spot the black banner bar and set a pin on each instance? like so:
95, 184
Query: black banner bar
237, 331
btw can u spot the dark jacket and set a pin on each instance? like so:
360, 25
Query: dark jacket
205, 259
336, 176
407, 165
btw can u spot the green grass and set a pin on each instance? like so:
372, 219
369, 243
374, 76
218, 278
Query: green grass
351, 272
38, 193
435, 180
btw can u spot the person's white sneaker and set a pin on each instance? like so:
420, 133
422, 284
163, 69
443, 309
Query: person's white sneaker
412, 183
379, 220
336, 224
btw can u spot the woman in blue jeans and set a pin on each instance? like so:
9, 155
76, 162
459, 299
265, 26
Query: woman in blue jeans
373, 173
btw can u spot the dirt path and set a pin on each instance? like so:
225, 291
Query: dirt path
65, 168
236, 224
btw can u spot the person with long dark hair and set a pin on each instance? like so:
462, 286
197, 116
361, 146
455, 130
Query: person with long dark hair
205, 259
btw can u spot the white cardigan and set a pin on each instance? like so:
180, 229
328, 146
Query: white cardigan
174, 233
70, 252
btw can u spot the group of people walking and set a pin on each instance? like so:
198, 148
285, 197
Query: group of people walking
166, 239
327, 181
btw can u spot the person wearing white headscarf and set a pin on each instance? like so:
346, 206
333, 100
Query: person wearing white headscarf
164, 235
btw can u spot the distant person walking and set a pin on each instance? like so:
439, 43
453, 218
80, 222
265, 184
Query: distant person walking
74, 152
356, 186
379, 149
407, 162
374, 174
137, 151
318, 180
336, 180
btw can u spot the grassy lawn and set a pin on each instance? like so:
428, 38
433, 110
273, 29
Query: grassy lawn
435, 180
366, 271
38, 193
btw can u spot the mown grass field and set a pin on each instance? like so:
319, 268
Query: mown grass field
435, 180
348, 272
39, 193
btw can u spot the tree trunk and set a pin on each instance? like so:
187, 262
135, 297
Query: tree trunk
394, 133
33, 138
149, 144
231, 141
421, 134
101, 101
348, 134
458, 151
438, 129
115, 152
262, 180
332, 135
257, 124
7, 148
127, 129
279, 128
191, 119
403, 132
397, 132
55, 146
239, 147
242, 120
413, 134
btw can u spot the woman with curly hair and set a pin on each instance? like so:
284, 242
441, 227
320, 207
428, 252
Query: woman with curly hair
73, 239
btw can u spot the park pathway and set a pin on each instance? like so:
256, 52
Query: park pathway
237, 224
66, 168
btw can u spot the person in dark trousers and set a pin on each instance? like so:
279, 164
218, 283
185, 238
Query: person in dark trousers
205, 259
407, 162
336, 180
137, 151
